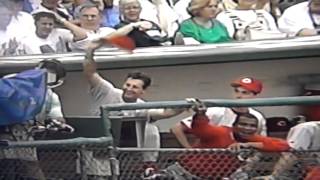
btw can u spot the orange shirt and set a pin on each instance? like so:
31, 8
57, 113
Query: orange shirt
222, 137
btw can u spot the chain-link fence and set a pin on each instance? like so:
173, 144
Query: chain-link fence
78, 159
212, 164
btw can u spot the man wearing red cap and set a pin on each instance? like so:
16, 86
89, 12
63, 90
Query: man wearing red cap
244, 88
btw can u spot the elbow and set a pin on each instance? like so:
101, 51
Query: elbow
177, 129
173, 129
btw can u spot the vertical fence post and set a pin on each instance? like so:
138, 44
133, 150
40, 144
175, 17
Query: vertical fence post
114, 163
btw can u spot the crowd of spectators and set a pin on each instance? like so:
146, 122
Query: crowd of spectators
68, 25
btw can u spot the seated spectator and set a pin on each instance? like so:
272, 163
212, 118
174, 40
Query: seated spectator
90, 18
246, 23
181, 8
149, 34
159, 12
202, 26
55, 6
302, 19
49, 39
272, 6
269, 5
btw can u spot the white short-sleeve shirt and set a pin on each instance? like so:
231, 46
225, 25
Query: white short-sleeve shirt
305, 136
297, 17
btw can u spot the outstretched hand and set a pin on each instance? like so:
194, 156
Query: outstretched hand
197, 105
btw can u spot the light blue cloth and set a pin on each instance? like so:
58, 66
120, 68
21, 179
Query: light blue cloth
111, 17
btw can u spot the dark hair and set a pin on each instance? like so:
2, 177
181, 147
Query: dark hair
141, 76
55, 66
41, 14
247, 115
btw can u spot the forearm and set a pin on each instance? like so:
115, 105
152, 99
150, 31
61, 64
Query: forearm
166, 113
256, 145
89, 66
123, 31
178, 131
78, 32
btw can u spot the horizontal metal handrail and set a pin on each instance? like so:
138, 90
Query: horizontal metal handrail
58, 143
134, 149
277, 101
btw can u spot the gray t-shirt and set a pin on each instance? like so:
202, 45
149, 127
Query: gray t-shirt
105, 93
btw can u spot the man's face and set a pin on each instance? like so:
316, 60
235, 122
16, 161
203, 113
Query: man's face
90, 18
5, 17
44, 27
315, 6
241, 93
132, 90
246, 126
131, 11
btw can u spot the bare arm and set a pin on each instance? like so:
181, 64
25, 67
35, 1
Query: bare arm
179, 131
307, 32
78, 32
89, 65
155, 114
123, 31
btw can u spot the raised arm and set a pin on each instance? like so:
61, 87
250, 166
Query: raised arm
180, 129
89, 65
78, 32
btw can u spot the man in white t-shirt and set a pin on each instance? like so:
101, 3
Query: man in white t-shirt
244, 88
90, 19
302, 19
47, 38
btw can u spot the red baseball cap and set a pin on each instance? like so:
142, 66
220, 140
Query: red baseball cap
248, 83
